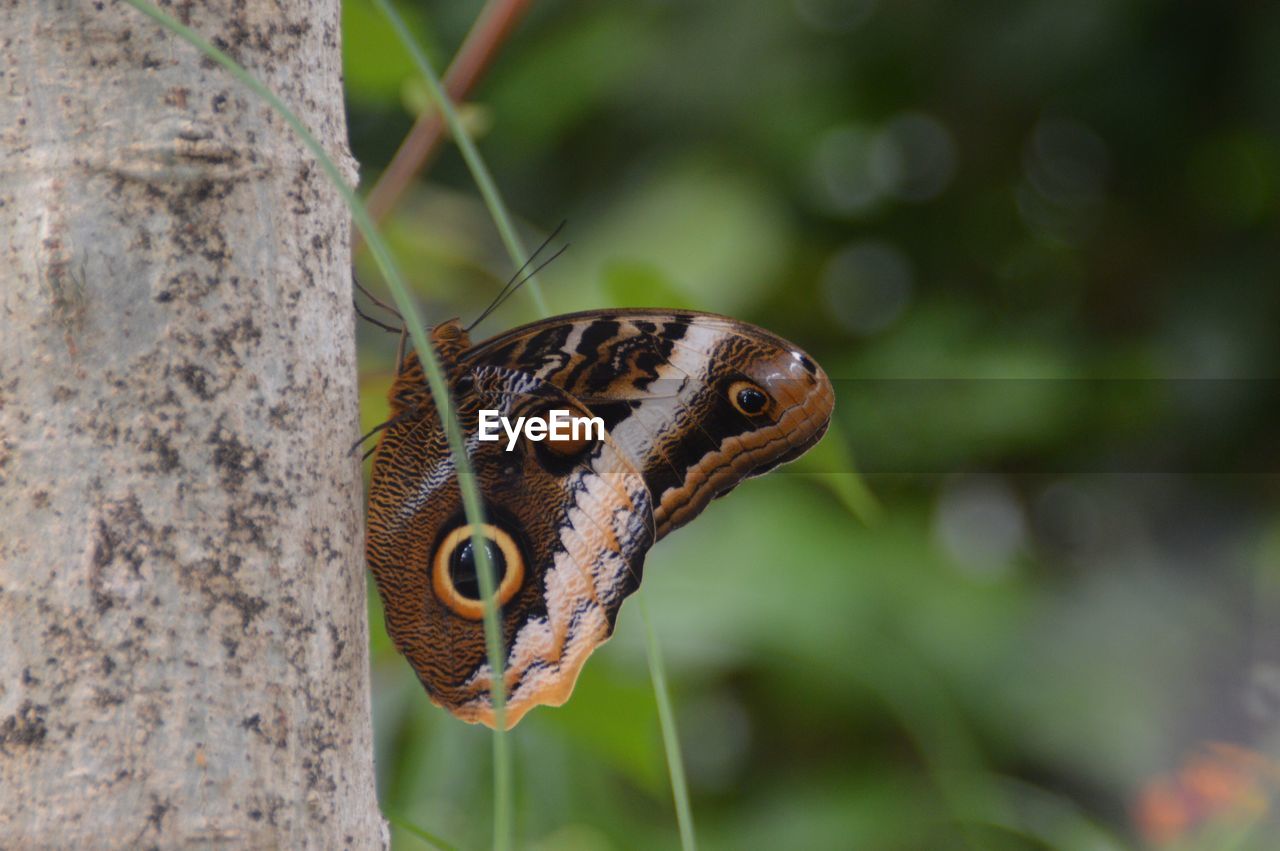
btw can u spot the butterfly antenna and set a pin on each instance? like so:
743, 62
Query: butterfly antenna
516, 281
509, 293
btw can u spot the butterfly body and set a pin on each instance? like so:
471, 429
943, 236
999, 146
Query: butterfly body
692, 403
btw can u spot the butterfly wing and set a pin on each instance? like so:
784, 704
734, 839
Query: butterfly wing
568, 531
670, 387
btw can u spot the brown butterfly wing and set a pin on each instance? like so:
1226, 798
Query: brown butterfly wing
578, 526
667, 385
694, 403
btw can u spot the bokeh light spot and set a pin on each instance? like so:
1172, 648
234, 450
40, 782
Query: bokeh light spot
843, 171
980, 524
867, 285
834, 16
913, 158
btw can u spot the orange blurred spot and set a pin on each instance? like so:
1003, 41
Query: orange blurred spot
1161, 812
1220, 782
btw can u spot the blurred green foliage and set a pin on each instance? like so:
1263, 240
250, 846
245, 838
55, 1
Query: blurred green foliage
1036, 245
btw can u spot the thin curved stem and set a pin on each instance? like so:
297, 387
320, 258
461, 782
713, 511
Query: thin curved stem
479, 171
670, 737
490, 31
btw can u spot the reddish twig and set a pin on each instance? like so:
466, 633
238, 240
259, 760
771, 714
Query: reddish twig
496, 21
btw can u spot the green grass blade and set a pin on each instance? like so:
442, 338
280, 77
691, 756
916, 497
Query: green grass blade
479, 171
502, 774
471, 501
831, 464
670, 738
409, 827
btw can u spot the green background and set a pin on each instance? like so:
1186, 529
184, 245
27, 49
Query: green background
1036, 246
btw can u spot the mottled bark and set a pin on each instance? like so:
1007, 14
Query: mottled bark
182, 597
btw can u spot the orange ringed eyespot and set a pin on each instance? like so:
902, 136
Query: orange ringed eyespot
454, 570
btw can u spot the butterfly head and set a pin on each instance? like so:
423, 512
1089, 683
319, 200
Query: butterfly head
450, 340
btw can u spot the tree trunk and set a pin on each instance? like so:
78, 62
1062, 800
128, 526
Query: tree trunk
182, 595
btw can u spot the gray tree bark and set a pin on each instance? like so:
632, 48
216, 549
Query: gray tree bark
182, 594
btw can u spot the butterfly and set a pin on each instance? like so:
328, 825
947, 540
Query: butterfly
691, 403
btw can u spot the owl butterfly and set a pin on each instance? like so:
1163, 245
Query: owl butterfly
692, 404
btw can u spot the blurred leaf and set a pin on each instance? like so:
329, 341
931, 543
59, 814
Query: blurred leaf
718, 239
549, 87
640, 284
1236, 177
831, 464
375, 67
614, 719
